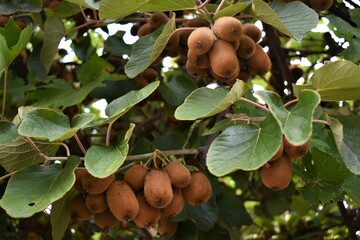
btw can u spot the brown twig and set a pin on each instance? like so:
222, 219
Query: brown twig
255, 104
81, 146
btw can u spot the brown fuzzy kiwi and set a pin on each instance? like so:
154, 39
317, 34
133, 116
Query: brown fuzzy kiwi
236, 44
176, 205
223, 60
167, 228
144, 29
150, 74
122, 201
259, 63
173, 41
105, 219
228, 79
157, 19
157, 188
195, 71
141, 81
3, 20
96, 203
321, 5
199, 61
279, 153
196, 22
148, 216
246, 48
53, 4
179, 175
78, 208
201, 40
173, 52
227, 28
252, 31
244, 75
135, 176
295, 151
199, 190
78, 175
276, 175
96, 185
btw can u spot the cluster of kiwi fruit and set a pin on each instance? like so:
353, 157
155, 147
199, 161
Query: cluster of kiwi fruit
227, 51
276, 173
318, 5
146, 196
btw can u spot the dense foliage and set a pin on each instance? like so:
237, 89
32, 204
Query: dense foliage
271, 136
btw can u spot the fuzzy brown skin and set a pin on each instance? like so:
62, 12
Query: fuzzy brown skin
252, 31
199, 190
144, 30
199, 61
176, 205
246, 47
105, 219
279, 153
150, 74
148, 216
201, 40
321, 5
78, 208
122, 201
259, 63
135, 176
276, 175
167, 228
195, 71
94, 185
78, 175
295, 151
180, 176
227, 28
157, 188
173, 41
96, 203
157, 19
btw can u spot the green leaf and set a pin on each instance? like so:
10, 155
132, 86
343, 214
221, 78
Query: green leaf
8, 132
324, 176
244, 146
296, 124
117, 9
93, 69
20, 154
232, 10
352, 188
34, 188
9, 7
116, 45
86, 3
294, 19
52, 125
205, 102
148, 48
60, 216
169, 5
54, 31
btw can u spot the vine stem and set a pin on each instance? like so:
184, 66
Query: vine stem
255, 104
7, 175
37, 150
320, 121
165, 153
81, 146
220, 6
6, 71
290, 103
202, 5
66, 149
108, 134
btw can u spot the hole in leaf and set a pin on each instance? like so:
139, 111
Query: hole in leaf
31, 204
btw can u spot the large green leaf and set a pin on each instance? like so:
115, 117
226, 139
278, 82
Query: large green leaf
170, 5
86, 3
102, 161
19, 154
8, 132
352, 188
9, 7
54, 31
294, 19
244, 146
60, 215
296, 124
232, 10
116, 9
47, 124
337, 81
34, 188
324, 176
92, 69
205, 102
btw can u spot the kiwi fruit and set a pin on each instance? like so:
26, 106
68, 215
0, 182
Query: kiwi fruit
279, 153
176, 205
259, 63
179, 175
105, 219
246, 48
295, 151
199, 190
199, 61
53, 4
96, 185
201, 40
157, 188
140, 81
227, 28
79, 172
223, 60
252, 31
135, 176
167, 228
150, 74
3, 20
78, 208
122, 201
148, 216
157, 19
321, 5
96, 203
173, 52
227, 79
173, 41
244, 75
276, 175
195, 71
144, 29
196, 22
